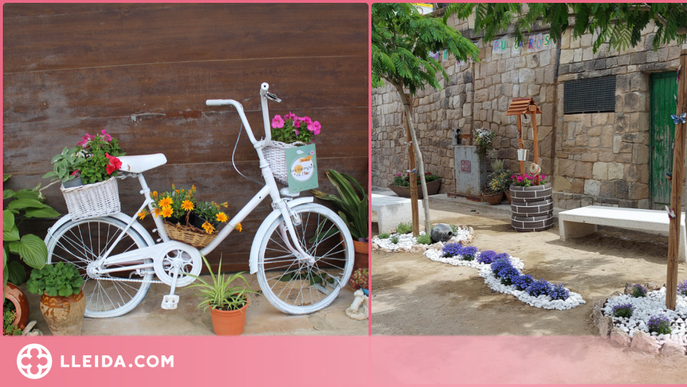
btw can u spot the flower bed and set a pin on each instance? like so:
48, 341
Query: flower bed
407, 242
503, 273
649, 314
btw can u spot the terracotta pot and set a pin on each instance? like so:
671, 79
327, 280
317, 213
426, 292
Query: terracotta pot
64, 315
228, 322
493, 199
362, 257
507, 193
433, 188
21, 304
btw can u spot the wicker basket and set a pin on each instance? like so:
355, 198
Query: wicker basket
189, 234
275, 154
91, 200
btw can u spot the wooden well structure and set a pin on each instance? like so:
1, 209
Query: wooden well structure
531, 207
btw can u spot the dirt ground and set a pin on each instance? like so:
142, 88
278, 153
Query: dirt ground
415, 296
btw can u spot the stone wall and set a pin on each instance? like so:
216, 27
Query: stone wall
603, 158
600, 158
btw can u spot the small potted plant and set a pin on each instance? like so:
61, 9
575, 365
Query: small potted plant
10, 321
288, 131
186, 219
62, 301
359, 280
498, 183
227, 304
531, 202
353, 209
401, 184
483, 141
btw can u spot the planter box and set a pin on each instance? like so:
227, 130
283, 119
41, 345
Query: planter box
531, 207
404, 192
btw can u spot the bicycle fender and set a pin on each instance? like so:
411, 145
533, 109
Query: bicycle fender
117, 215
255, 248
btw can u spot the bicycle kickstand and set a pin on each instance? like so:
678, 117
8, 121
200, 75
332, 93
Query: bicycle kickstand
171, 300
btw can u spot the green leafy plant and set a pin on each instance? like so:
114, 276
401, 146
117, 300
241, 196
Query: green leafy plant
66, 164
58, 279
101, 157
454, 229
394, 239
21, 205
424, 239
217, 294
383, 236
404, 228
9, 314
499, 181
352, 203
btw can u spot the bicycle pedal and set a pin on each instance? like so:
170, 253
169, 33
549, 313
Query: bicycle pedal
170, 301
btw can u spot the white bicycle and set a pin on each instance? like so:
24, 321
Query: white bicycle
302, 253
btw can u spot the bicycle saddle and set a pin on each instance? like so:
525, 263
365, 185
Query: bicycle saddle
139, 164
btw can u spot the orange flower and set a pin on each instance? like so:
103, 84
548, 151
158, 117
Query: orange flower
208, 227
166, 202
225, 205
238, 227
222, 217
167, 212
155, 195
177, 191
142, 214
193, 188
186, 205
157, 211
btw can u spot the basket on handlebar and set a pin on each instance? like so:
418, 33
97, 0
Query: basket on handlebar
275, 154
92, 200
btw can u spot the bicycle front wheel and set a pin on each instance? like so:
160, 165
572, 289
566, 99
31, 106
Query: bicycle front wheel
81, 243
302, 285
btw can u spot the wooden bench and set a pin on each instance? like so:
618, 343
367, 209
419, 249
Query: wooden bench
583, 221
392, 210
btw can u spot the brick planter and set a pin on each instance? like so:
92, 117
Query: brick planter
531, 207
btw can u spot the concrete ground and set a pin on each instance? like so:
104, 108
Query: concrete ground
412, 295
149, 319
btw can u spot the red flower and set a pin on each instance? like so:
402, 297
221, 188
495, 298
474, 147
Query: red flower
114, 164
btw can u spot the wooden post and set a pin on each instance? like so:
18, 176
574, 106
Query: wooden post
676, 189
522, 163
413, 175
533, 112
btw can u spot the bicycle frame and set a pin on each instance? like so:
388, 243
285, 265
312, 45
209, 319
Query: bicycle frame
280, 205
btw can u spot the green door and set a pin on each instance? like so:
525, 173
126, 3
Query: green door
662, 133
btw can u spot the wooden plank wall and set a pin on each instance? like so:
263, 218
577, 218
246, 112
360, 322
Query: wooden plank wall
144, 71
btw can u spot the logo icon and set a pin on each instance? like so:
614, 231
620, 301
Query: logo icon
34, 361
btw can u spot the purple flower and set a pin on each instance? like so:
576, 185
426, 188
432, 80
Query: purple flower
638, 291
522, 282
659, 324
468, 253
558, 292
277, 122
452, 249
682, 288
487, 257
539, 288
623, 310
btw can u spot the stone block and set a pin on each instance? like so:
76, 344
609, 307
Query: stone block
643, 342
640, 153
600, 171
560, 183
607, 136
566, 168
638, 191
526, 76
589, 157
567, 56
587, 54
671, 348
621, 189
635, 102
607, 189
594, 142
615, 171
638, 58
592, 187
605, 326
594, 131
620, 337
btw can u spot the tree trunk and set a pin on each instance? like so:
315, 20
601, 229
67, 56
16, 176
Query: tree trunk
676, 189
418, 155
412, 181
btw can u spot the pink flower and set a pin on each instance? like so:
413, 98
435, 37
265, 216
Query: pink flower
543, 177
307, 120
520, 179
106, 136
296, 131
297, 122
114, 164
277, 122
290, 116
314, 127
85, 139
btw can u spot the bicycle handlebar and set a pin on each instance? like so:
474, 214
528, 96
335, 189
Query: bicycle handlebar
264, 95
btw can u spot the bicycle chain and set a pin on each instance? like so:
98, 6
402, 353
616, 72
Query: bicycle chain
124, 280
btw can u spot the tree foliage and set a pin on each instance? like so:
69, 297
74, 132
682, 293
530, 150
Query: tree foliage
402, 40
619, 25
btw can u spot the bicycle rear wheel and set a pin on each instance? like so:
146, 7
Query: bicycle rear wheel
83, 242
300, 286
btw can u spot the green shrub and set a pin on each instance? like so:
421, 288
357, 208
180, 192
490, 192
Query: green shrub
394, 239
404, 228
383, 236
424, 239
57, 279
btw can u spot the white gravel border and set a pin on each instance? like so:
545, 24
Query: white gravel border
653, 304
543, 301
407, 242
